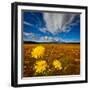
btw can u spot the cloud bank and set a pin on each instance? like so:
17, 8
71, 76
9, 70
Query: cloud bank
58, 22
33, 37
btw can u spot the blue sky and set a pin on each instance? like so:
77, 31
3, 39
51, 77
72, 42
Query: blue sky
50, 27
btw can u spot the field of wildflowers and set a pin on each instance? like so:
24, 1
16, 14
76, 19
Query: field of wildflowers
51, 59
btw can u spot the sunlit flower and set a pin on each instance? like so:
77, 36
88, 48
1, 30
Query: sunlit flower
38, 52
40, 66
57, 64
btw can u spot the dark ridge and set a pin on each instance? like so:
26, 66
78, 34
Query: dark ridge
32, 42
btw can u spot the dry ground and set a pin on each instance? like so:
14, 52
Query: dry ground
67, 54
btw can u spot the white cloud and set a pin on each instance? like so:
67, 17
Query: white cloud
57, 22
45, 39
28, 33
29, 24
29, 36
50, 39
44, 30
75, 23
70, 41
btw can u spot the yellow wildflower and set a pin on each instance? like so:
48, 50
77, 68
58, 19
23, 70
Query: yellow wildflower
38, 52
57, 64
40, 66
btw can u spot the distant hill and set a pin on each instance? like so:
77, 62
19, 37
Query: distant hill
32, 42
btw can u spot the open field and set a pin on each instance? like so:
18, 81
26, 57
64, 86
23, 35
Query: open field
51, 59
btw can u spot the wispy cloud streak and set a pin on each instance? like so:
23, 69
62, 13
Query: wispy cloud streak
58, 22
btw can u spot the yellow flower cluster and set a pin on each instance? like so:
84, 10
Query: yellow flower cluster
57, 64
38, 52
40, 66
